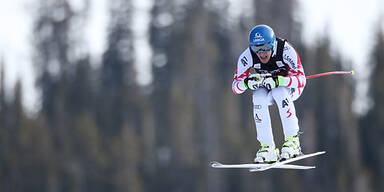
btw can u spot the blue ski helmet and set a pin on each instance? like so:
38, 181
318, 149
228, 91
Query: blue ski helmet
262, 38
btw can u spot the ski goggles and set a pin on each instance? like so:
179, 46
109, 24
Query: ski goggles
261, 48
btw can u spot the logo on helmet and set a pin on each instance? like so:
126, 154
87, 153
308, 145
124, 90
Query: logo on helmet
258, 37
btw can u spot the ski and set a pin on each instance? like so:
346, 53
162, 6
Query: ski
285, 162
216, 164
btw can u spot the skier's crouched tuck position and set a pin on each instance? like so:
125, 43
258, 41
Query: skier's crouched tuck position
280, 80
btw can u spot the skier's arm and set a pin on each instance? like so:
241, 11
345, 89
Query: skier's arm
238, 84
296, 77
243, 67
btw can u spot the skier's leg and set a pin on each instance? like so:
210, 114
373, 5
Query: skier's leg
267, 153
261, 100
284, 101
286, 110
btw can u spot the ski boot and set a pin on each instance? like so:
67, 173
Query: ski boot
267, 154
291, 148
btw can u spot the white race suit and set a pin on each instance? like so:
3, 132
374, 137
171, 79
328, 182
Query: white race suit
286, 63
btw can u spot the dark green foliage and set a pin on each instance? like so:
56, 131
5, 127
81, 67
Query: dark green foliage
372, 124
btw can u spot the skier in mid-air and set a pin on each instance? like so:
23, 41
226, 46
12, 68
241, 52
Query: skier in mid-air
280, 80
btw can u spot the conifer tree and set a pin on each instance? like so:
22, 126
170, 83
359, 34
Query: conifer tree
372, 123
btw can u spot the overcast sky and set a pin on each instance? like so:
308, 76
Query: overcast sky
349, 22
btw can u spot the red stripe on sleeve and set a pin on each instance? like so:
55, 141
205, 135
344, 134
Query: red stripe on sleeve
237, 85
245, 74
290, 81
298, 81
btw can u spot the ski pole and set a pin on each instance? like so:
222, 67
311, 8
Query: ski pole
331, 73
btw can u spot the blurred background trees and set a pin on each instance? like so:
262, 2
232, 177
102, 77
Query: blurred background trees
98, 129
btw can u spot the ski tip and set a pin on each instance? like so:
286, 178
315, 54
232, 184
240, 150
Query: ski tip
214, 164
322, 152
315, 154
